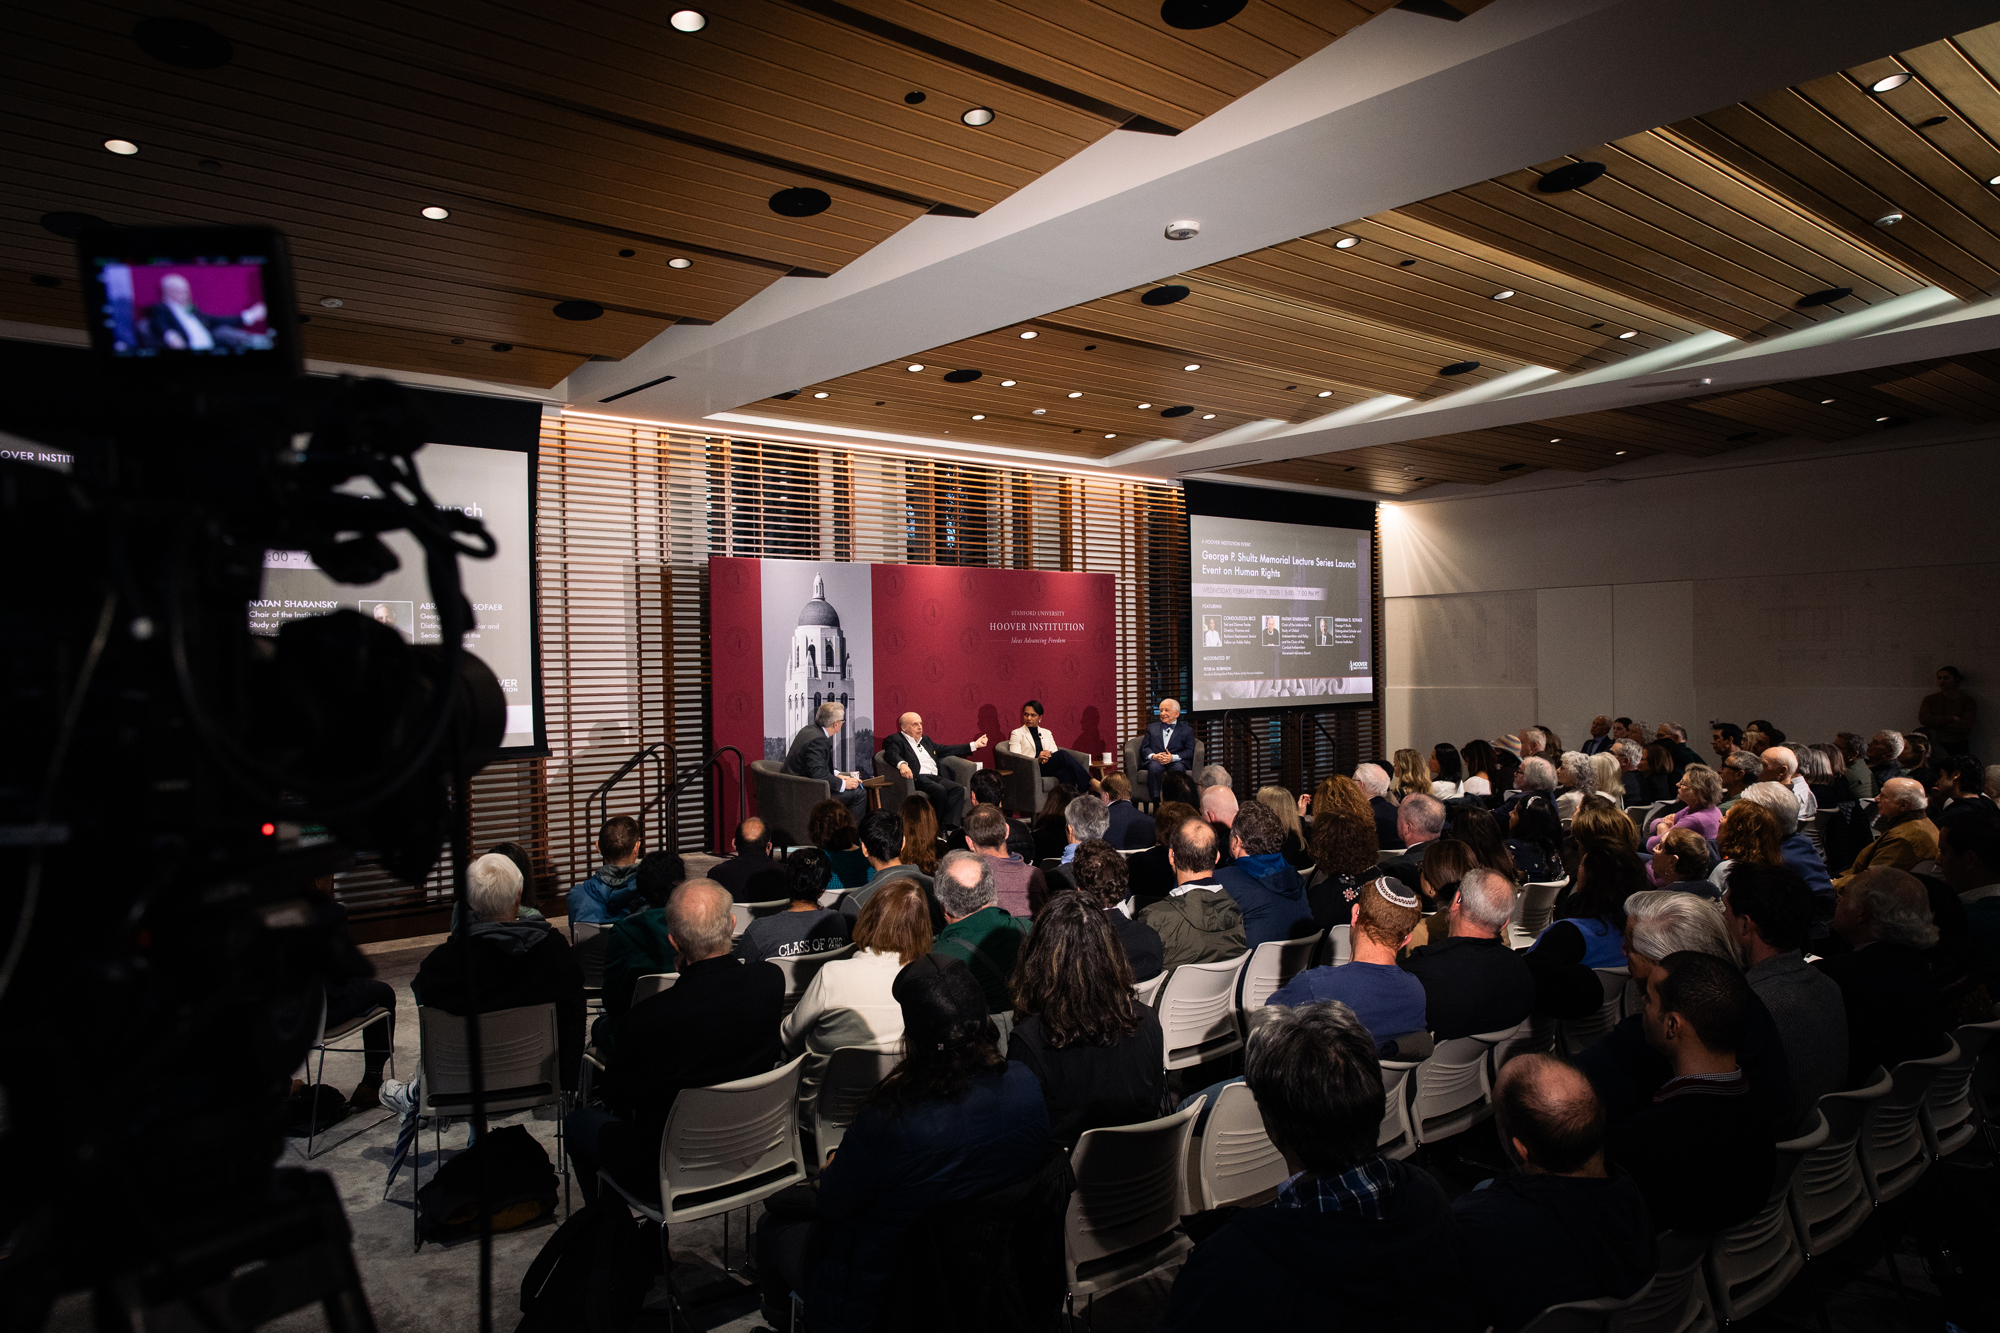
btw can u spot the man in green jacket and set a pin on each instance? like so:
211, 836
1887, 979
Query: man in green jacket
977, 932
1198, 922
638, 945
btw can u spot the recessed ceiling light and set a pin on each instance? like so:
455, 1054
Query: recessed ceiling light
1111, 437
821, 394
979, 416
1881, 419
1629, 333
1326, 393
1825, 401
1076, 395
914, 369
1208, 416
977, 116
688, 20
1030, 333
1144, 406
1347, 243
1619, 453
1195, 366
1557, 440
122, 147
436, 214
1994, 181
1008, 384
1888, 219
1506, 295
1041, 411
331, 302
680, 263
1889, 83
800, 201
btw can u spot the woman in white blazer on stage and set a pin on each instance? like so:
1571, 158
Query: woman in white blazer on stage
1032, 738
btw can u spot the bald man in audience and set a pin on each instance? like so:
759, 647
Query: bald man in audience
1567, 1226
1894, 1011
1781, 766
1904, 837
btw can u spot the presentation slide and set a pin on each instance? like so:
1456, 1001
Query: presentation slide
490, 484
1280, 612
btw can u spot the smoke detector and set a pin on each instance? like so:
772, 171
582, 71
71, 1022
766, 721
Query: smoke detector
1181, 231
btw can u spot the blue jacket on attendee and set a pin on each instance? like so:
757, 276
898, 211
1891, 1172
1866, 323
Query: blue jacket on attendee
1271, 895
607, 896
1603, 945
1803, 859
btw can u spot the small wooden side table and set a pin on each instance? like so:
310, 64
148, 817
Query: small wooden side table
875, 786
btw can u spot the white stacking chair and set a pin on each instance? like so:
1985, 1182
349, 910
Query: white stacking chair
1147, 992
1575, 1035
322, 1048
586, 942
1894, 1153
1534, 911
647, 985
1676, 1300
1272, 964
1124, 1218
1950, 1116
1198, 1012
1829, 1199
1531, 1036
850, 1075
1749, 1264
725, 1147
1398, 1135
1236, 1161
1452, 1090
1337, 949
742, 914
799, 971
1584, 1316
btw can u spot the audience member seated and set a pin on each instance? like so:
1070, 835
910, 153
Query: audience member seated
1267, 890
989, 788
804, 928
1083, 819
1904, 836
1125, 827
1589, 933
1477, 758
954, 1121
1894, 1012
609, 893
1700, 1151
1350, 1229
524, 863
1535, 777
1388, 1001
1700, 796
1632, 777
1607, 778
1419, 819
1575, 779
1969, 862
1781, 766
1101, 878
1342, 841
638, 945
1181, 786
1475, 826
1749, 832
1152, 870
1093, 1047
831, 829
1860, 781
1674, 736
517, 963
1447, 771
1916, 760
1681, 858
1373, 779
753, 875
718, 1023
1218, 807
1885, 747
1411, 773
1019, 887
977, 933
1288, 808
1795, 849
1052, 823
1737, 772
1600, 820
849, 1002
1534, 840
351, 997
1565, 1227
882, 842
1445, 862
1198, 922
1769, 911
920, 833
1472, 981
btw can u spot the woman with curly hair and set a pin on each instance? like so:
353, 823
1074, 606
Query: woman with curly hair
1093, 1047
1343, 850
1575, 779
1413, 774
1749, 832
1700, 793
830, 827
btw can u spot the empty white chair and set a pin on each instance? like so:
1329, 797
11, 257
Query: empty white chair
1147, 992
1579, 1034
1829, 1199
646, 986
520, 1067
850, 1075
1453, 1090
1676, 1300
742, 914
1272, 964
1893, 1151
1198, 1012
1124, 1218
1398, 1136
1238, 1163
1950, 1118
1749, 1264
1534, 911
799, 971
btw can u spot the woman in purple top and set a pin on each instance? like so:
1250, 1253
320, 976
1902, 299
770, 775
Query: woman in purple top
1700, 791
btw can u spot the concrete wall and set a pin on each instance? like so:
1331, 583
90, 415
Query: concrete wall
1816, 586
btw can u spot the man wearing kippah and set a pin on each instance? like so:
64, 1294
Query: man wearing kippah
1388, 1001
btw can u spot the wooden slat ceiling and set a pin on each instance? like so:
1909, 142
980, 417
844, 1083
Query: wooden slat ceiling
580, 148
1722, 223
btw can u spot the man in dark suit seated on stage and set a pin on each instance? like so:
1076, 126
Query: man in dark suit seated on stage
752, 875
919, 758
811, 756
1169, 746
178, 324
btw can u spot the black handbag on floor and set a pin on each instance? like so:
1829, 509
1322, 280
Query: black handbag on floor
593, 1274
520, 1186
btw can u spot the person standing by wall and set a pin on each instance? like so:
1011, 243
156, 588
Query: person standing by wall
1950, 714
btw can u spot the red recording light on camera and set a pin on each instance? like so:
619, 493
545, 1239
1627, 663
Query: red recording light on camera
269, 830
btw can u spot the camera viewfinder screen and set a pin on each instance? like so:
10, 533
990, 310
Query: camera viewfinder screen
208, 306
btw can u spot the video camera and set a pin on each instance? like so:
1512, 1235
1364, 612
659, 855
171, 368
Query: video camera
171, 785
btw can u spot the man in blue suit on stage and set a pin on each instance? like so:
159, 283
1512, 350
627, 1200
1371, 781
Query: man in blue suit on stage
1169, 745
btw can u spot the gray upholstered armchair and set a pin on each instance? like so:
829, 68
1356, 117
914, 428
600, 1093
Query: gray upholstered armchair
900, 787
1135, 766
1026, 785
785, 800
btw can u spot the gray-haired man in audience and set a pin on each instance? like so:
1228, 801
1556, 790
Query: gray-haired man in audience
1373, 780
1419, 819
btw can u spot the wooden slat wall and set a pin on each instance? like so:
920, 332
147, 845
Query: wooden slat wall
627, 517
